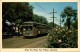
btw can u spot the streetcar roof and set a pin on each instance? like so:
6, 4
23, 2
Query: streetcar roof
31, 22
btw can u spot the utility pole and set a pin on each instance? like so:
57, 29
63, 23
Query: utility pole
53, 16
60, 21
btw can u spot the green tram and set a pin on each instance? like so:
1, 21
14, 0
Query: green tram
32, 29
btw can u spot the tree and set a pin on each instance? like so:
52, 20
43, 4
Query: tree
50, 24
20, 10
39, 19
68, 13
16, 12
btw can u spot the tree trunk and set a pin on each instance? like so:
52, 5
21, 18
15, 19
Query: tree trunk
18, 31
68, 22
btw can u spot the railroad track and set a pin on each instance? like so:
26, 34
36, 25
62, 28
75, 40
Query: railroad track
19, 42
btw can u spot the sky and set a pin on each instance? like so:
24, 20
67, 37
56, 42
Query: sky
48, 7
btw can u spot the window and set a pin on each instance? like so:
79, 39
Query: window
28, 27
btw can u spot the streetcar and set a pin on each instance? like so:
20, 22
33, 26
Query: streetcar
33, 29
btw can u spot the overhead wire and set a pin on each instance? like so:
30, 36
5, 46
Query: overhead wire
41, 7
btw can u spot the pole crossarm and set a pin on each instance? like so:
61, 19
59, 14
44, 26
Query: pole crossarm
52, 12
52, 17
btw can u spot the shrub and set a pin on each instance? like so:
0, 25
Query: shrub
62, 38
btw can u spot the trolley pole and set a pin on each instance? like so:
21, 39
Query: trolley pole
53, 16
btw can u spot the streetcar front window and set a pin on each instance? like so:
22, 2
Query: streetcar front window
28, 27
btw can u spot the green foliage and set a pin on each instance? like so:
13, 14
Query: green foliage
69, 13
16, 12
19, 12
62, 38
74, 24
13, 11
51, 25
39, 19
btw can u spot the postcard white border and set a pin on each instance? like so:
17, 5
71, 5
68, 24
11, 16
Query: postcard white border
24, 49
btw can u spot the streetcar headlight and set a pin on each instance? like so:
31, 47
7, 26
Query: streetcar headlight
24, 32
23, 29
